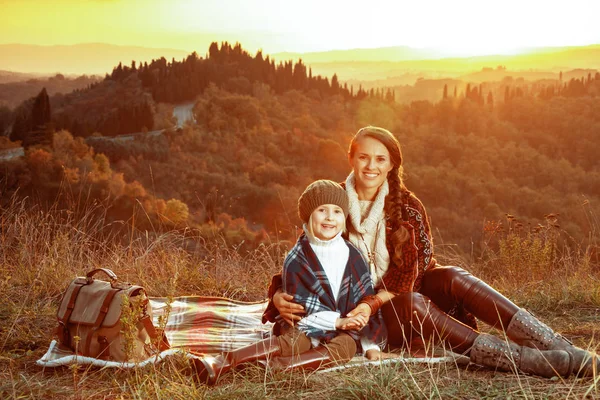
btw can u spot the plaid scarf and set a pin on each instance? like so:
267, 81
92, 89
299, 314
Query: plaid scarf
305, 279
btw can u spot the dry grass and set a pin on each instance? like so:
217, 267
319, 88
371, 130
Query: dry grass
40, 252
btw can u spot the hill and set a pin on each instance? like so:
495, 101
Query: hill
405, 53
264, 131
393, 53
15, 92
87, 58
508, 171
354, 66
10, 76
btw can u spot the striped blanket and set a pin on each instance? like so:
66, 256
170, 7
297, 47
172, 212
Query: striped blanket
196, 325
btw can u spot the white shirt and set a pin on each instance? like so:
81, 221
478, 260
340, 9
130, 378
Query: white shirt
333, 255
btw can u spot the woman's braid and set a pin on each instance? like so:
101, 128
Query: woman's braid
393, 205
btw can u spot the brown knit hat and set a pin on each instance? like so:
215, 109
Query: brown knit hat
321, 192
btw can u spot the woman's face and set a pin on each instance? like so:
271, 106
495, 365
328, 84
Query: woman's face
371, 163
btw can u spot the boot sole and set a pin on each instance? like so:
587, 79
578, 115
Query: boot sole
204, 372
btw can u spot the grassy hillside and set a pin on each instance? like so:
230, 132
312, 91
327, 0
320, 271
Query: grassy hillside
40, 252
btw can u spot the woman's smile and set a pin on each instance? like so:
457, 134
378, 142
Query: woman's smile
370, 175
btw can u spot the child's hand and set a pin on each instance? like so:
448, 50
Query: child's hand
375, 354
352, 323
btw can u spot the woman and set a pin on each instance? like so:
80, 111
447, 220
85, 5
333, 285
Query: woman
420, 299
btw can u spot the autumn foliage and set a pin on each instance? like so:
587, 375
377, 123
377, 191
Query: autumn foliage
264, 131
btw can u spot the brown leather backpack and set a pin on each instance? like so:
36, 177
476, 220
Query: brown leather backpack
108, 320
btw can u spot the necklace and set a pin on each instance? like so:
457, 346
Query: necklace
371, 254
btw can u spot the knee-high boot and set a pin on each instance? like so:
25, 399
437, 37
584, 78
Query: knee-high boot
527, 330
210, 368
412, 313
449, 286
491, 351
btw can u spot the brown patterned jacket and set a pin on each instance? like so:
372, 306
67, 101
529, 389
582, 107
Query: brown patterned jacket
417, 252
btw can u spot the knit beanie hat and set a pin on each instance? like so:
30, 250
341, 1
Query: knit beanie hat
321, 192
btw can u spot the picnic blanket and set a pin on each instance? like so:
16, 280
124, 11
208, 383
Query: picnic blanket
202, 325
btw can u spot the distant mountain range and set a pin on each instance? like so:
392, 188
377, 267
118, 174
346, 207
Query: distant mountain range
363, 68
393, 54
405, 53
87, 58
10, 76
100, 58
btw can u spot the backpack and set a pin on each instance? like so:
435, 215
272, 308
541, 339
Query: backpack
108, 320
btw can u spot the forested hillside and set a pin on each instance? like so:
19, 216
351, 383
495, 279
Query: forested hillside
264, 132
14, 93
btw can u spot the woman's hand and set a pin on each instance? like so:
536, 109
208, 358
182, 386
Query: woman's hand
289, 311
362, 309
356, 322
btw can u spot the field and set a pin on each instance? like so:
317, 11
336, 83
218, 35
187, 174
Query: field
41, 251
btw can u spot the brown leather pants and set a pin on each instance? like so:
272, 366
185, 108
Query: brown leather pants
423, 314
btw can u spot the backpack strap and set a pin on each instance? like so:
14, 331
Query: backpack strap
163, 343
101, 315
111, 275
146, 320
64, 337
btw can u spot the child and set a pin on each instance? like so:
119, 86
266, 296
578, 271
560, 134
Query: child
329, 277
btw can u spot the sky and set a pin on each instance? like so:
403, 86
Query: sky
463, 27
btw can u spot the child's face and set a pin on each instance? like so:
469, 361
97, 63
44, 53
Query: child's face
327, 221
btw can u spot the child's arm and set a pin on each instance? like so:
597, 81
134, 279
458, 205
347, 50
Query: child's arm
352, 323
322, 320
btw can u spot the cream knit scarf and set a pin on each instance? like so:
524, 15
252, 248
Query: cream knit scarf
367, 232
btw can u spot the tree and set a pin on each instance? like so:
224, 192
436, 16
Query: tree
335, 85
445, 96
41, 110
5, 119
176, 212
490, 99
389, 96
32, 121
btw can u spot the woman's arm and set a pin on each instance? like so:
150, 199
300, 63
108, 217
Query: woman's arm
280, 304
288, 310
365, 310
